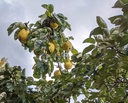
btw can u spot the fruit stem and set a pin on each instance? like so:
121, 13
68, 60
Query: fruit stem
26, 24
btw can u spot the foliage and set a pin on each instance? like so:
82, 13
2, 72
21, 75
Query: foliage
99, 72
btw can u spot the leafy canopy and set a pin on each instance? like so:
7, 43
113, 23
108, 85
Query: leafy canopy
99, 72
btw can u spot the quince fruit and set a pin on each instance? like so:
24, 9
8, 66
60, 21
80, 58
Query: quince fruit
68, 64
57, 73
51, 47
23, 35
53, 25
67, 46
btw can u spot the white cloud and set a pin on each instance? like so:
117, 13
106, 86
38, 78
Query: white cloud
10, 1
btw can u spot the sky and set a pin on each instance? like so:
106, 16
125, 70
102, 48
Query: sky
81, 15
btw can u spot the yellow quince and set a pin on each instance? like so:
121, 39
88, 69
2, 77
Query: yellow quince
67, 46
57, 73
68, 64
23, 35
51, 47
53, 25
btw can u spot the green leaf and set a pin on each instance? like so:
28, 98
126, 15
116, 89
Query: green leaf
3, 82
96, 31
94, 51
124, 66
36, 75
125, 10
110, 54
88, 49
43, 17
48, 13
16, 68
75, 98
51, 67
29, 79
120, 91
124, 40
50, 8
57, 18
22, 25
118, 4
61, 16
101, 22
16, 34
45, 6
42, 68
41, 81
126, 101
106, 32
12, 27
23, 70
38, 44
68, 26
93, 95
125, 1
123, 27
74, 51
117, 20
7, 66
89, 40
10, 86
88, 84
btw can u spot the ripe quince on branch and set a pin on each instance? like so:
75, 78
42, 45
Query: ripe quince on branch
23, 35
67, 46
68, 64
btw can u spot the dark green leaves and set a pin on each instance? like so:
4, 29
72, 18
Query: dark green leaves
89, 40
12, 27
120, 91
101, 22
38, 44
118, 4
101, 30
43, 17
61, 20
88, 49
49, 7
29, 81
123, 27
57, 18
110, 54
96, 31
117, 20
10, 86
16, 34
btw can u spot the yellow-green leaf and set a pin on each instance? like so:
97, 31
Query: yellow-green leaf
89, 40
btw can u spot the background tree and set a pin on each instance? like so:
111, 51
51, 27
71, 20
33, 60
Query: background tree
99, 72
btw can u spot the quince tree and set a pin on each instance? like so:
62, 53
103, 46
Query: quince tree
99, 72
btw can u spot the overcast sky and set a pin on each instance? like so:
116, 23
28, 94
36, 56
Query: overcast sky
81, 15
